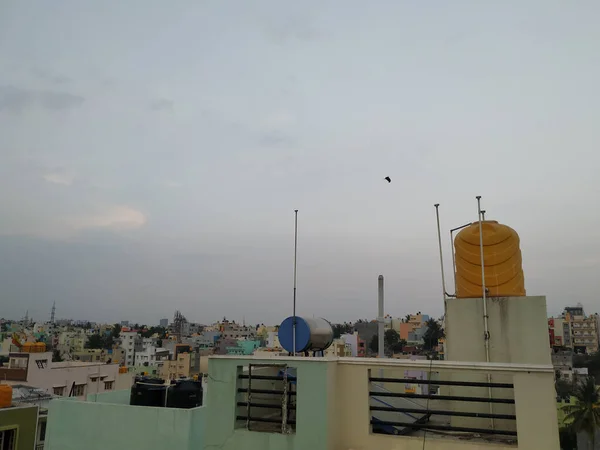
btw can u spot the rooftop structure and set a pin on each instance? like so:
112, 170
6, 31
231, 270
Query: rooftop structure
323, 404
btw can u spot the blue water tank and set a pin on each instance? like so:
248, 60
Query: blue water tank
311, 334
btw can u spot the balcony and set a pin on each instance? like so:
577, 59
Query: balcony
330, 404
13, 374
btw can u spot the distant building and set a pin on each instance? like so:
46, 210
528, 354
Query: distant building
355, 343
339, 348
410, 324
131, 342
67, 378
164, 323
575, 330
243, 347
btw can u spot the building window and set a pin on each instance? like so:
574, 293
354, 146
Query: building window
78, 390
41, 363
42, 431
8, 439
108, 385
60, 390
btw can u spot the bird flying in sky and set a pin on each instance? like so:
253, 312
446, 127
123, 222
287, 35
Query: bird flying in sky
388, 179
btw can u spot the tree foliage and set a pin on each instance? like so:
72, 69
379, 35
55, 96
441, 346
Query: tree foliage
342, 328
149, 332
432, 335
95, 341
584, 415
391, 342
56, 356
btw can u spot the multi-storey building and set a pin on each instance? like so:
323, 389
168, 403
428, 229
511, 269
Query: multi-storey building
67, 378
575, 330
131, 342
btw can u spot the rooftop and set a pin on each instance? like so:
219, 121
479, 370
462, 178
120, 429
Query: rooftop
329, 403
63, 364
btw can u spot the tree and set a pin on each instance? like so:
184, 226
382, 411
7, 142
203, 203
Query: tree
116, 330
584, 415
399, 346
56, 356
391, 341
564, 389
95, 341
342, 328
432, 335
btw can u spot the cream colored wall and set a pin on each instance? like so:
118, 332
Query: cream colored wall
534, 394
518, 329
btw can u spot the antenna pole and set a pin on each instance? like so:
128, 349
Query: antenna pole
486, 336
437, 215
295, 272
485, 314
380, 318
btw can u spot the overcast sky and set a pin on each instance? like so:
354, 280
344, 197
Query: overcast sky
152, 153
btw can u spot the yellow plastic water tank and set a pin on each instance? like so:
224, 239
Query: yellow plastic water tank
5, 395
502, 261
27, 347
39, 347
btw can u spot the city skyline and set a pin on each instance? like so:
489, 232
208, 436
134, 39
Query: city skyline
157, 166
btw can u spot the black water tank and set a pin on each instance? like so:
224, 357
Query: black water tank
148, 391
185, 394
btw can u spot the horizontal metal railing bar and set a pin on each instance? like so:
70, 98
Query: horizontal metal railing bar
441, 412
243, 376
442, 383
443, 397
265, 391
444, 427
265, 405
265, 419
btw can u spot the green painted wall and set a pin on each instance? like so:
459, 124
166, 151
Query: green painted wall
312, 409
25, 418
121, 397
107, 421
73, 425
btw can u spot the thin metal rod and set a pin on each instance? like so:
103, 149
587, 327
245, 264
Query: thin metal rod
483, 289
486, 337
295, 273
437, 216
453, 254
441, 412
380, 318
441, 383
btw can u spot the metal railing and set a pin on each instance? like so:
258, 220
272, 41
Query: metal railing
269, 400
415, 411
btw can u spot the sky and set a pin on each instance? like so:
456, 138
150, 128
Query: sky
152, 153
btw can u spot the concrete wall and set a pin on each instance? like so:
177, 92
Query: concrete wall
25, 419
120, 397
332, 411
313, 408
74, 425
518, 329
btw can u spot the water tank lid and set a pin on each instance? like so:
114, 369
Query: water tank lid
286, 333
493, 233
